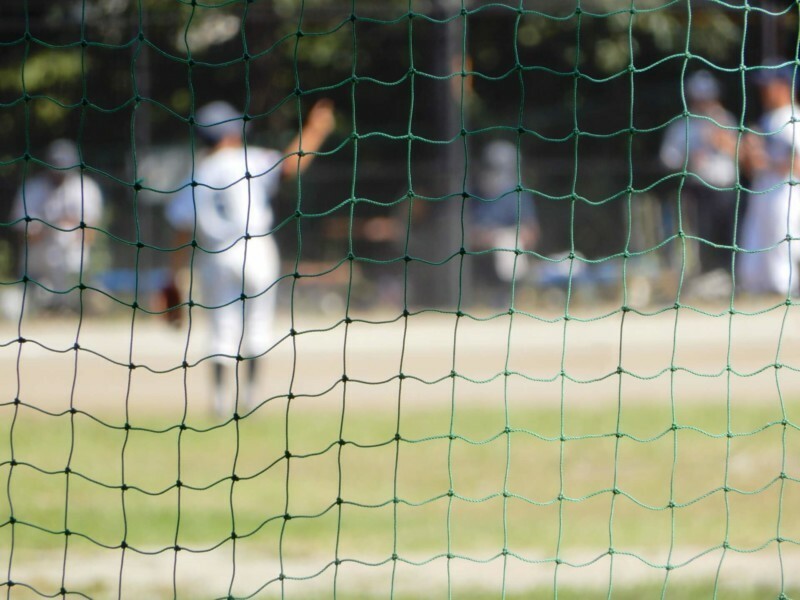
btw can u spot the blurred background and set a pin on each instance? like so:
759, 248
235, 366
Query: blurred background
486, 156
122, 78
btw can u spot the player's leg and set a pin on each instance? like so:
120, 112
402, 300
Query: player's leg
222, 289
261, 275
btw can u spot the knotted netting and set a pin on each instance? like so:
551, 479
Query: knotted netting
399, 298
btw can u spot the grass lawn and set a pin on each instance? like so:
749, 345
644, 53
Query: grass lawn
654, 492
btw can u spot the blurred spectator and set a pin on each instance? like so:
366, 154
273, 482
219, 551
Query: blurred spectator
771, 158
501, 220
55, 250
228, 214
711, 162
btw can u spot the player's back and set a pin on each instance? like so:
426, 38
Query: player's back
235, 186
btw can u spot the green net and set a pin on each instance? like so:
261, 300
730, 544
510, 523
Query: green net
445, 298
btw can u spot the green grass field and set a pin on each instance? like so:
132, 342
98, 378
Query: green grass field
650, 465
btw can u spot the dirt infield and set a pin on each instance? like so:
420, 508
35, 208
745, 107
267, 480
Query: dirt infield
209, 575
533, 353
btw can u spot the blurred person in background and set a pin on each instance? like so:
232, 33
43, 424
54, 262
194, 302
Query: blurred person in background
54, 248
711, 163
228, 214
501, 220
770, 156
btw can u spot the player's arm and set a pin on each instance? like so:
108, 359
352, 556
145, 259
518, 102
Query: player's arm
180, 214
317, 127
752, 154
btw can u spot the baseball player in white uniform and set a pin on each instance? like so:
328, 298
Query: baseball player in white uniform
55, 249
773, 210
227, 212
708, 150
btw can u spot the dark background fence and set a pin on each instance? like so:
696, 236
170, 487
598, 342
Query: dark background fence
585, 89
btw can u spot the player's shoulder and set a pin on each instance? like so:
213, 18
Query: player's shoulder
264, 157
777, 119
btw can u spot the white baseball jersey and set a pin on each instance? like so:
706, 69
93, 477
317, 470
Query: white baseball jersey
711, 163
224, 207
773, 211
55, 244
